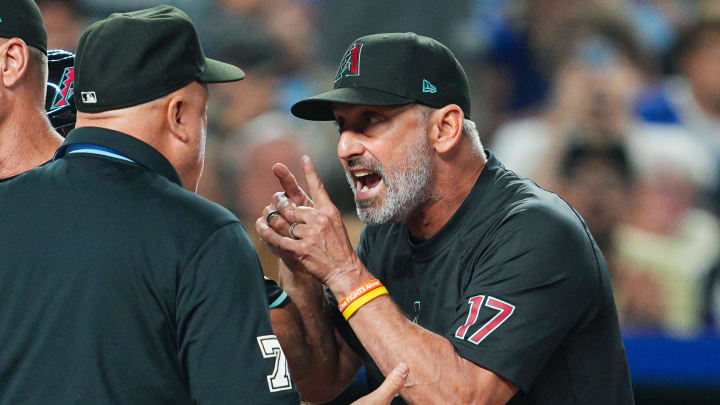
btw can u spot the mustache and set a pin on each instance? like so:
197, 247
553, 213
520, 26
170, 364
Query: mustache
370, 164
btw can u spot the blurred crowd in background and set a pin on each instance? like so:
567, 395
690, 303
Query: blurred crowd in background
612, 104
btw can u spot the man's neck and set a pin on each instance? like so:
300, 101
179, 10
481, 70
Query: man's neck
27, 140
450, 188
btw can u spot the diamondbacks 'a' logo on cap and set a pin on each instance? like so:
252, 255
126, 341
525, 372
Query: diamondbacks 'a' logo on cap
350, 64
67, 89
89, 97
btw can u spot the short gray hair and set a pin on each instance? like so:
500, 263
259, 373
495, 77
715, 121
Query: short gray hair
469, 128
39, 67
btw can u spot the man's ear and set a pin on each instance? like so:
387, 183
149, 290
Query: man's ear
447, 123
177, 109
14, 59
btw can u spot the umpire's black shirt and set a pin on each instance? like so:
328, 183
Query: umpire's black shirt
119, 286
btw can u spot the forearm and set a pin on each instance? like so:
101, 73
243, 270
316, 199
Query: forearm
437, 373
319, 360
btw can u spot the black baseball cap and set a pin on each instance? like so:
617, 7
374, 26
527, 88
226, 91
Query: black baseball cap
136, 57
392, 69
22, 19
60, 95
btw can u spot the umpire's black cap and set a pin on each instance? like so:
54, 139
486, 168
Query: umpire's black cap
392, 69
22, 19
132, 58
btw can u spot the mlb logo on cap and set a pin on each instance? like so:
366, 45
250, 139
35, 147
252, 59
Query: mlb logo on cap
89, 97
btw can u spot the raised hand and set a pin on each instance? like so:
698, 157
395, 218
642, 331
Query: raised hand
279, 214
319, 241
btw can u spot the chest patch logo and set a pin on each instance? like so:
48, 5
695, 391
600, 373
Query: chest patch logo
505, 312
416, 305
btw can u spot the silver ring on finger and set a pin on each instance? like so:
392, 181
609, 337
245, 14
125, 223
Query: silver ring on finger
292, 229
269, 216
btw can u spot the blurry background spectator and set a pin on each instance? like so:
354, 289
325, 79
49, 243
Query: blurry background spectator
691, 97
64, 21
667, 243
597, 180
597, 69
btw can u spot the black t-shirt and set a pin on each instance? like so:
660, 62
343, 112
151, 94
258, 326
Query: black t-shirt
117, 286
276, 296
517, 285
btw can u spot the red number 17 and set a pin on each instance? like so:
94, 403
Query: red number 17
506, 310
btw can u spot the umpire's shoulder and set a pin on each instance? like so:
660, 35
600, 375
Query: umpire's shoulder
190, 211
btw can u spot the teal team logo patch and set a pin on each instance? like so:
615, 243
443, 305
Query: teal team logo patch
428, 87
350, 64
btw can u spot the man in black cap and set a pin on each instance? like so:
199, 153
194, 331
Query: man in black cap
26, 137
489, 288
118, 283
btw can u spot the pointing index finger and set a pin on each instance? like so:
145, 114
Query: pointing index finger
315, 184
289, 183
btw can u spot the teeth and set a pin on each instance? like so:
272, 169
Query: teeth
362, 173
365, 188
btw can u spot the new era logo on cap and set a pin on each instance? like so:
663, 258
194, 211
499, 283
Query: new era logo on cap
89, 97
427, 87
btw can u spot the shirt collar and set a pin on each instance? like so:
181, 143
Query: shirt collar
128, 146
429, 248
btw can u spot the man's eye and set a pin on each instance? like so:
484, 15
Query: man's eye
371, 119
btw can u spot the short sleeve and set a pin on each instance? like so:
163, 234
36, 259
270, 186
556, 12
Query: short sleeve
276, 296
528, 289
225, 339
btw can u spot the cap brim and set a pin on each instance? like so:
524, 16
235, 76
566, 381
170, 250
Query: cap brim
220, 72
319, 108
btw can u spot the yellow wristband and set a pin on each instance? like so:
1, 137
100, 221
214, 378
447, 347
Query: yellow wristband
362, 300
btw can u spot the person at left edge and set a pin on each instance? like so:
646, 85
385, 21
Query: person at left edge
28, 140
118, 283
26, 137
33, 74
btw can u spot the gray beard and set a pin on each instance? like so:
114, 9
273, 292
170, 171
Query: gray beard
407, 186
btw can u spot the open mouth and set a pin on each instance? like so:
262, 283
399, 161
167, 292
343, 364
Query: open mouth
366, 180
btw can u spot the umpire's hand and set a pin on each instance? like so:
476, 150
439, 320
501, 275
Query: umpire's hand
387, 391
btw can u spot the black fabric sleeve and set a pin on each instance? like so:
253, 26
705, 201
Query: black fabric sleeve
225, 340
529, 287
276, 296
